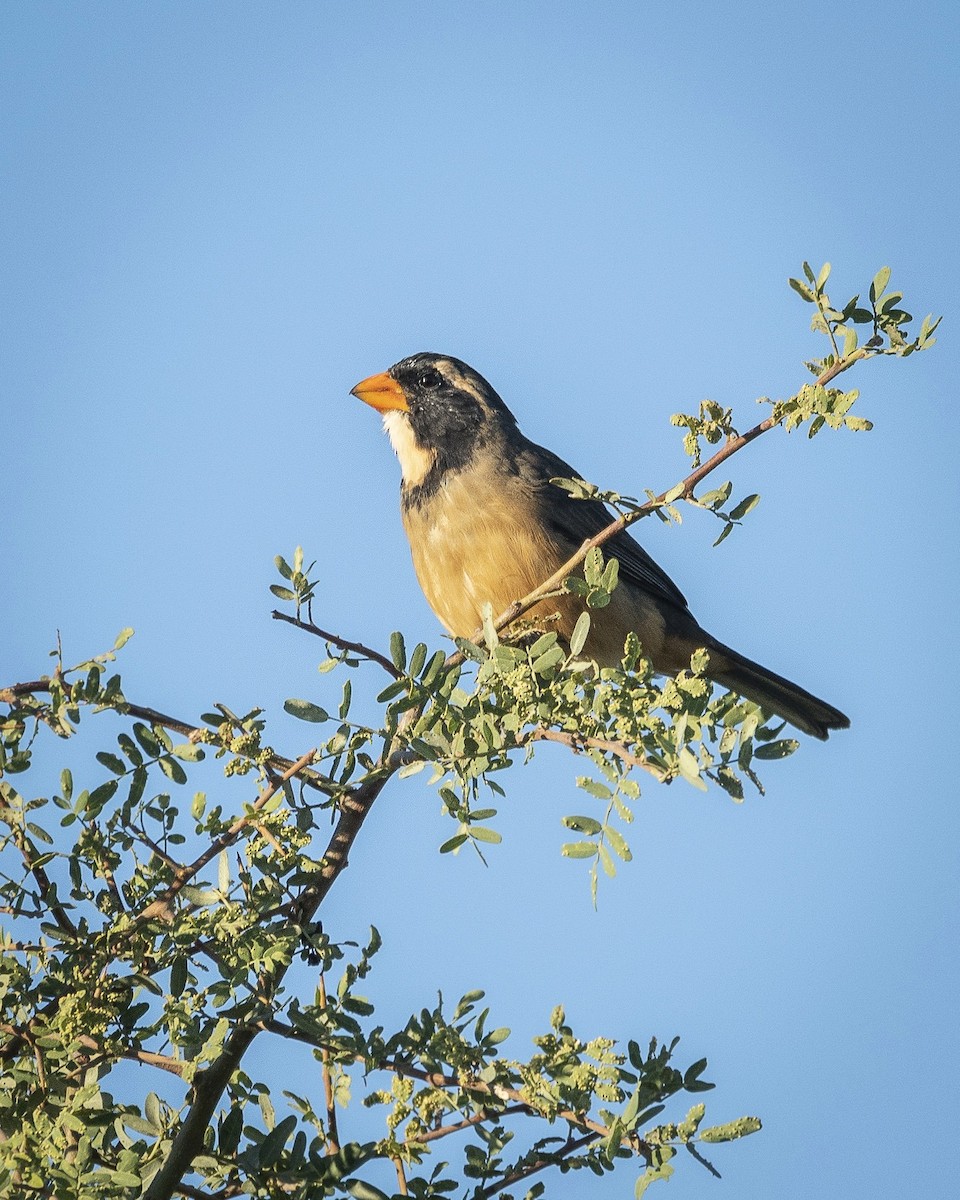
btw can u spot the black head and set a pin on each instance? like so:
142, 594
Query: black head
438, 412
446, 397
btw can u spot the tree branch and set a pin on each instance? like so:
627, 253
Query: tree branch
579, 742
333, 1137
47, 892
684, 490
334, 639
571, 1146
211, 1083
183, 876
314, 779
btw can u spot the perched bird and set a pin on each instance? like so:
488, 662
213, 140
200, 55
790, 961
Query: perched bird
485, 524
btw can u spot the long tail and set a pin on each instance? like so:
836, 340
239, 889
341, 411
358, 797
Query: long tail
774, 693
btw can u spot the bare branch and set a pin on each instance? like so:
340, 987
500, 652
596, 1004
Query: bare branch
401, 1177
333, 1137
335, 640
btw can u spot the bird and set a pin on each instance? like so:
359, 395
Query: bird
486, 525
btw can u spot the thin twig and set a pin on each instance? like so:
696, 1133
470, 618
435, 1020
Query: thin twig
336, 640
431, 1135
401, 1177
571, 1146
163, 1062
684, 490
196, 733
333, 1137
227, 838
579, 742
438, 1079
47, 892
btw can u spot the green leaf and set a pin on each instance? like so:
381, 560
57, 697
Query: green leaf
112, 763
453, 843
123, 637
359, 1189
99, 796
618, 843
880, 281
418, 658
587, 825
802, 290
779, 749
187, 752
579, 850
489, 629
663, 1170
724, 533
137, 786
272, 1145
124, 1179
746, 505
546, 662
690, 767
282, 593
231, 1130
283, 567
392, 691
823, 276
593, 787
153, 1111
580, 630
223, 872
304, 710
483, 833
172, 769
178, 976
148, 743
398, 650
732, 1130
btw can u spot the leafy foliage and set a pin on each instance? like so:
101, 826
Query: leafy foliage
148, 922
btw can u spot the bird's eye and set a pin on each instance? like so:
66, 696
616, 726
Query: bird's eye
430, 380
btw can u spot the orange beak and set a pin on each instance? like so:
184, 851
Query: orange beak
382, 393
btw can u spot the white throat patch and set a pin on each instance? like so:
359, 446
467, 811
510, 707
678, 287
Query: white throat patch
415, 462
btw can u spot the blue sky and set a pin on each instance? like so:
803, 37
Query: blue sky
218, 217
